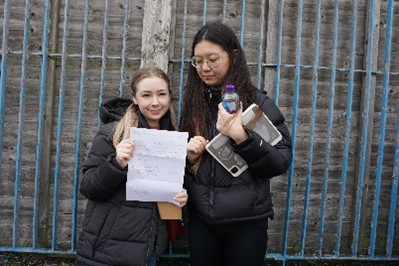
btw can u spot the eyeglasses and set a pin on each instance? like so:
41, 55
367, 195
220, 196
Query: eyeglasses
198, 62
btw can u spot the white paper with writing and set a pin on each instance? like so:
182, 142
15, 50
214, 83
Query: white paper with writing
156, 170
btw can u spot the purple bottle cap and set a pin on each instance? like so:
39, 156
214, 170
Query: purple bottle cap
230, 88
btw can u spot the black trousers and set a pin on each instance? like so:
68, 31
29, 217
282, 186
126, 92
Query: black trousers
237, 244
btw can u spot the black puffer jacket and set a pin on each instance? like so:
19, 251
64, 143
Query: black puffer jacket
216, 196
116, 231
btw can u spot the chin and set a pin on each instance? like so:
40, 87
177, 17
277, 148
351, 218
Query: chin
157, 117
211, 83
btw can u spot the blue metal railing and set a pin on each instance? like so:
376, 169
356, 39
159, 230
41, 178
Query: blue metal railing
312, 132
295, 105
79, 126
386, 73
384, 103
348, 129
3, 72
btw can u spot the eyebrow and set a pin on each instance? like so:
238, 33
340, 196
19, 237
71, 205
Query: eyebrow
151, 91
211, 54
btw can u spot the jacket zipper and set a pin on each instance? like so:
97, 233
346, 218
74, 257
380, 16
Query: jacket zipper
212, 181
213, 116
149, 238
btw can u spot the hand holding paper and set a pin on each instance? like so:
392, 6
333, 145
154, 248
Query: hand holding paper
156, 171
124, 151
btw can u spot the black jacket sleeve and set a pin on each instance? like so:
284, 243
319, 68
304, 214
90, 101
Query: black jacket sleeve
263, 159
102, 176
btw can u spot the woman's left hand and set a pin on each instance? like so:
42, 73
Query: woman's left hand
182, 197
195, 147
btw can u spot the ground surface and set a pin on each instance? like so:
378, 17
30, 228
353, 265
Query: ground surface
22, 259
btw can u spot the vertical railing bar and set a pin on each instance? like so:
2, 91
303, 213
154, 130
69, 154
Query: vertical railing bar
182, 63
3, 73
262, 39
380, 158
394, 193
224, 11
59, 125
79, 125
124, 41
204, 14
363, 148
103, 58
242, 32
330, 121
312, 129
347, 128
381, 137
279, 48
294, 125
21, 121
42, 107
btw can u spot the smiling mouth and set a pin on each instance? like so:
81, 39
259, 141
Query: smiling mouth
155, 111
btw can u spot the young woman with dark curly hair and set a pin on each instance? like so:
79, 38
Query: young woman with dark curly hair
228, 216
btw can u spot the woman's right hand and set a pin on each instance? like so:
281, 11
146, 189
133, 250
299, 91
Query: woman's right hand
231, 124
195, 147
124, 152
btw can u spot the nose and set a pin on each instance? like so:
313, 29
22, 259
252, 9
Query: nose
205, 65
154, 100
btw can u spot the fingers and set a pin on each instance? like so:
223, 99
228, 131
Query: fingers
124, 152
227, 123
182, 197
197, 144
195, 147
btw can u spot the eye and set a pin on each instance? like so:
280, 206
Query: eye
213, 60
199, 61
163, 93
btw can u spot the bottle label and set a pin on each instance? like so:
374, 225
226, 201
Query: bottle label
230, 106
230, 99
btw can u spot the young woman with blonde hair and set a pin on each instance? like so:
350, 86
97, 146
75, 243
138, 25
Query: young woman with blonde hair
116, 231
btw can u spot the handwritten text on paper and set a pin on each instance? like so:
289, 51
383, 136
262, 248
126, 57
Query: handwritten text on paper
156, 170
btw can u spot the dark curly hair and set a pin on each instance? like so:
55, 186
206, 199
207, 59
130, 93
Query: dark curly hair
193, 117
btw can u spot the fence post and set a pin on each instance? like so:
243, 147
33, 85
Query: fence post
46, 163
156, 33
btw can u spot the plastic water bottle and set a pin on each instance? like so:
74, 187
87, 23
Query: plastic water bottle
230, 99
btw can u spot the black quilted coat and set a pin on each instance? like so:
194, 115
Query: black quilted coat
219, 198
116, 231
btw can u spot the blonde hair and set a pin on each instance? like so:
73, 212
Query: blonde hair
130, 118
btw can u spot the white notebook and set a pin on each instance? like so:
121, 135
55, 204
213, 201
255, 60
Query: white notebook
220, 148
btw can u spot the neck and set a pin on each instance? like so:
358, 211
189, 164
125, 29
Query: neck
154, 126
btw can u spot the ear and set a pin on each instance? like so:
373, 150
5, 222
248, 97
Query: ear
134, 100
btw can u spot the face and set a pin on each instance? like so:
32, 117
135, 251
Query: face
213, 62
153, 98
